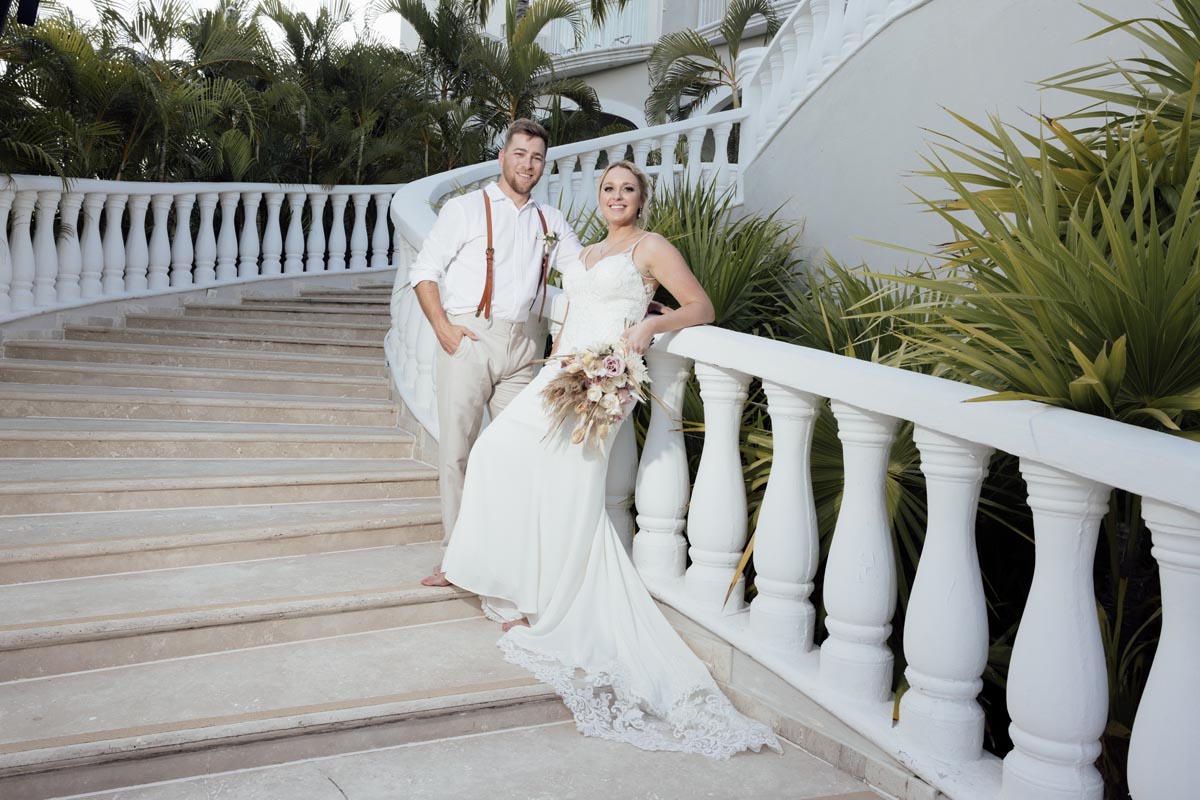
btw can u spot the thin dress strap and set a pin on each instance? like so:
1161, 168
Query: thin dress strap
646, 278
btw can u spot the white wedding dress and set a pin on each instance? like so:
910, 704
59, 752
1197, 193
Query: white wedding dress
534, 539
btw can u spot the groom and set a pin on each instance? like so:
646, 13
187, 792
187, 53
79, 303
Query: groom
490, 250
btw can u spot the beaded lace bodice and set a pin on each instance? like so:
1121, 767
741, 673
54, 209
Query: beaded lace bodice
605, 300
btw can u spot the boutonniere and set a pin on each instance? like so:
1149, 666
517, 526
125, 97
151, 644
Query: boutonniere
549, 242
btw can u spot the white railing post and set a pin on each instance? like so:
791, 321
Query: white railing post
717, 517
798, 80
1162, 752
946, 625
182, 253
641, 151
834, 41
293, 261
722, 174
618, 489
816, 66
206, 240
227, 244
786, 540
21, 249
272, 242
566, 182
379, 235
853, 23
248, 244
358, 235
695, 144
316, 233
663, 483
337, 232
91, 248
752, 97
45, 254
6, 264
113, 278
860, 573
137, 255
1057, 684
158, 276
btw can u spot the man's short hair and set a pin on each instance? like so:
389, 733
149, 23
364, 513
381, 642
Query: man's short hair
529, 128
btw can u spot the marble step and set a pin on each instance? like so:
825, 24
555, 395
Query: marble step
329, 332
333, 297
53, 486
59, 437
291, 312
246, 708
375, 290
268, 342
557, 763
41, 547
87, 623
38, 400
189, 378
192, 357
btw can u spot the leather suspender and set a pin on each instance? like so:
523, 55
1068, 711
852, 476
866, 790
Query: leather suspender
485, 302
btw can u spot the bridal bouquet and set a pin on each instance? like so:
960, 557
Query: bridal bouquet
599, 385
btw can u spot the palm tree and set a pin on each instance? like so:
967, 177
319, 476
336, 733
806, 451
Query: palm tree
686, 66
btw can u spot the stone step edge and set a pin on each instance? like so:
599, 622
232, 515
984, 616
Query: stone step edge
255, 432
293, 306
240, 337
119, 626
83, 345
184, 397
170, 738
205, 538
110, 368
222, 321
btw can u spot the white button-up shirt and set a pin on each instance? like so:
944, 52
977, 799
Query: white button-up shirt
454, 253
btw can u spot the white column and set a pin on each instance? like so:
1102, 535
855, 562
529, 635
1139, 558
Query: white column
663, 483
802, 63
723, 175
566, 182
137, 255
774, 107
666, 173
6, 265
816, 69
21, 249
112, 280
834, 41
293, 261
695, 143
1162, 752
181, 243
749, 82
786, 541
70, 260
618, 489
766, 82
379, 234
641, 151
91, 248
272, 243
860, 573
853, 23
248, 244
337, 232
946, 625
717, 517
358, 234
227, 244
206, 240
160, 243
45, 254
587, 180
1057, 684
316, 233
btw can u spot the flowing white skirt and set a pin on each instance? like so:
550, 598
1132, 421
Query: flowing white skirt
534, 539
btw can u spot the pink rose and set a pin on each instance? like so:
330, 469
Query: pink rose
614, 365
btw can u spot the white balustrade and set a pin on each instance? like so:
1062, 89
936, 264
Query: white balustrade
337, 233
316, 233
182, 252
358, 235
45, 253
70, 261
6, 265
294, 244
137, 253
227, 244
91, 247
272, 242
248, 244
160, 242
21, 247
112, 279
206, 240
379, 234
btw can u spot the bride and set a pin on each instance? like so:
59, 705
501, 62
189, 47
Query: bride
533, 537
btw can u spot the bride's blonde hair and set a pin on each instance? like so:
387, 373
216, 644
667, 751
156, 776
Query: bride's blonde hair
643, 182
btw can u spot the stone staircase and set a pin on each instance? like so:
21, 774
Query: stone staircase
211, 536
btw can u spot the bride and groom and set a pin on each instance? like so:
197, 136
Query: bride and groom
526, 527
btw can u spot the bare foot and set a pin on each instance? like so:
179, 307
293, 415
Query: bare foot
519, 623
438, 578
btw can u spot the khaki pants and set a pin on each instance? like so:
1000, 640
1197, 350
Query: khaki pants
487, 373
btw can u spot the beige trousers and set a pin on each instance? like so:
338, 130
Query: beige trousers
487, 373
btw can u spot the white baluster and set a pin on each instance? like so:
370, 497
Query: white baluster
695, 143
45, 254
316, 233
946, 625
337, 233
91, 248
248, 244
853, 23
816, 67
1057, 685
875, 15
293, 261
137, 255
541, 190
206, 239
1162, 752
112, 280
860, 574
663, 482
765, 106
798, 81
834, 42
618, 488
21, 248
358, 234
775, 105
717, 517
160, 243
181, 243
227, 243
666, 173
6, 266
379, 234
723, 174
272, 243
786, 541
641, 151
566, 182
587, 180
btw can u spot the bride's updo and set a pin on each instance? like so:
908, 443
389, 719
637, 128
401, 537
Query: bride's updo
643, 182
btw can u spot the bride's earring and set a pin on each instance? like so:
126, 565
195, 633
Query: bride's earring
639, 214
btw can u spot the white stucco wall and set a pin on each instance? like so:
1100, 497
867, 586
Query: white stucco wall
842, 163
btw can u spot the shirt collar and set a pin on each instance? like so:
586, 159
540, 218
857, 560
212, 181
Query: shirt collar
496, 195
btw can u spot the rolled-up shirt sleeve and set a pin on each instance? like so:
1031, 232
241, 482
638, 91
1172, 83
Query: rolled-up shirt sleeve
442, 243
568, 246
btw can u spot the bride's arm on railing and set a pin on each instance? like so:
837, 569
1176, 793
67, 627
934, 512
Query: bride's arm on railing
659, 259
